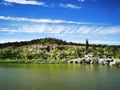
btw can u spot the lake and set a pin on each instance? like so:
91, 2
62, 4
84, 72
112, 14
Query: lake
58, 77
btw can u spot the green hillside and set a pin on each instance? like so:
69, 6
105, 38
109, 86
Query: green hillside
54, 49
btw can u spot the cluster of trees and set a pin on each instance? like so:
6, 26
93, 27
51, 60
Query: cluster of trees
26, 54
21, 50
70, 53
108, 51
9, 53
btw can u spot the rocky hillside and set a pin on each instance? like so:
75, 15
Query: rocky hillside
51, 48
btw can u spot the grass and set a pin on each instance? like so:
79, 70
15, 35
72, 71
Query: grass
33, 61
117, 64
15, 61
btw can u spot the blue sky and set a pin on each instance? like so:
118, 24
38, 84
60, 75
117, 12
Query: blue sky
70, 20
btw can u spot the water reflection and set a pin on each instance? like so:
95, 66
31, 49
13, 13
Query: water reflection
58, 77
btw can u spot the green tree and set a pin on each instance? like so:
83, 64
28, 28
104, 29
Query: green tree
25, 53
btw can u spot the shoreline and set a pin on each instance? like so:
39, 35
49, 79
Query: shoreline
38, 61
34, 61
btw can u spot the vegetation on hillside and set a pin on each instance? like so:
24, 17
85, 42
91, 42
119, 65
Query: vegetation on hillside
54, 49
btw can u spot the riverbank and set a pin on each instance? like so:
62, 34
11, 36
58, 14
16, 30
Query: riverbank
117, 64
33, 61
36, 61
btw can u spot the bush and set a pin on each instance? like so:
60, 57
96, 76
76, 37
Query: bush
117, 64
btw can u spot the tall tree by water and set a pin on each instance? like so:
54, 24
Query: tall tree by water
87, 46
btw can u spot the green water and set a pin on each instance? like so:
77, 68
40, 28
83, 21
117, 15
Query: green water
58, 77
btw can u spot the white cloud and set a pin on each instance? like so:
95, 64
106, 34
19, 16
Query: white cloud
109, 30
6, 30
81, 0
102, 30
84, 29
64, 29
42, 28
30, 2
72, 31
70, 6
6, 4
41, 20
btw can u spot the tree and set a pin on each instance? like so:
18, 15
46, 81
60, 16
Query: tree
25, 53
87, 46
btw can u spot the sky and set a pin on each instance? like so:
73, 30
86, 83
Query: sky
70, 20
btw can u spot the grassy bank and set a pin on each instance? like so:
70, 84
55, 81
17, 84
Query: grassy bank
117, 64
33, 61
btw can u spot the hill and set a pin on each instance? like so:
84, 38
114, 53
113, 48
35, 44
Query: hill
38, 41
52, 48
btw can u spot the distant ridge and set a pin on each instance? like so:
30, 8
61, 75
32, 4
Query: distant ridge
38, 41
46, 41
